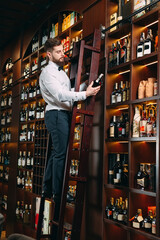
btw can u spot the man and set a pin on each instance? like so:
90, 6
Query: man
56, 91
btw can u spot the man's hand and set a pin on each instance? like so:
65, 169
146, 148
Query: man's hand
90, 91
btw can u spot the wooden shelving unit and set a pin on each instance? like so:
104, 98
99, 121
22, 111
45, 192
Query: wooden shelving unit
144, 149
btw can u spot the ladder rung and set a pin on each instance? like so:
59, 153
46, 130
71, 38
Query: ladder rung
91, 113
92, 48
78, 179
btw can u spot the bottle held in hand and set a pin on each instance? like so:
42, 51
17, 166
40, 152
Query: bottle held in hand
98, 81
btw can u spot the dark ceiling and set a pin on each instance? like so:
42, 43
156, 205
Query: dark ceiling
15, 15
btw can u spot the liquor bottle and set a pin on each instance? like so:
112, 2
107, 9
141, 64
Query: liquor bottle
28, 161
43, 60
119, 18
138, 219
111, 57
117, 170
124, 177
7, 158
111, 163
114, 94
18, 210
150, 122
128, 49
115, 209
31, 90
23, 179
120, 216
126, 122
155, 88
9, 99
151, 171
149, 43
124, 51
147, 224
154, 223
42, 110
22, 93
140, 46
31, 114
44, 36
38, 110
125, 212
136, 122
119, 92
113, 128
20, 160
26, 214
121, 126
24, 159
38, 90
19, 179
142, 178
143, 123
98, 81
116, 54
109, 208
21, 210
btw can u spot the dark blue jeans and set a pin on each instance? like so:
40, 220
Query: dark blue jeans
58, 125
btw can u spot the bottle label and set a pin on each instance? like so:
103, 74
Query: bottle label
143, 126
141, 182
155, 89
135, 128
119, 97
147, 48
111, 131
140, 51
147, 225
153, 228
149, 129
136, 224
120, 217
113, 99
109, 213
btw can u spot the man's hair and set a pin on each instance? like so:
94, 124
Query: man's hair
51, 43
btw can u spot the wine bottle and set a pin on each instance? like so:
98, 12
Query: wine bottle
98, 81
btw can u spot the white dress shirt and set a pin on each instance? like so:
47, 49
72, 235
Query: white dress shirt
56, 89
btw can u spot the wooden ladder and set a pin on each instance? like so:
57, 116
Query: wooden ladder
80, 51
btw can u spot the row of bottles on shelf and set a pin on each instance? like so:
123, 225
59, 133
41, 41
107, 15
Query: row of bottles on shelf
119, 126
4, 157
148, 88
24, 180
145, 178
117, 211
148, 223
6, 117
27, 133
23, 212
119, 52
25, 160
144, 125
121, 93
68, 43
68, 21
147, 45
7, 82
33, 112
30, 91
3, 202
6, 100
4, 174
5, 135
8, 64
118, 168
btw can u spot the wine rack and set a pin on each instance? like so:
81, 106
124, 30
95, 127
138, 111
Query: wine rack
142, 149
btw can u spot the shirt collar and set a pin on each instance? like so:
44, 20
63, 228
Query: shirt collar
55, 65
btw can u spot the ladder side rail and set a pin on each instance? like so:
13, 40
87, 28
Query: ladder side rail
80, 64
85, 143
40, 220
